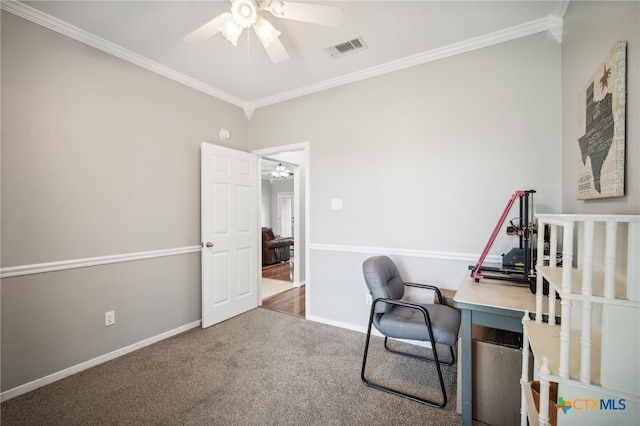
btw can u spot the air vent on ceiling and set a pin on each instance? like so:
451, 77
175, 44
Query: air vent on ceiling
346, 47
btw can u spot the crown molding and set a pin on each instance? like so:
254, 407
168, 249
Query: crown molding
555, 27
486, 40
59, 26
552, 24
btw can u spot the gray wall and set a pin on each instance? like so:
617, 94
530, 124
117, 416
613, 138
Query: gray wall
424, 160
265, 208
591, 30
99, 158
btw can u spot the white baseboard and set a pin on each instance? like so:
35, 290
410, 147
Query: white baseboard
338, 324
363, 330
27, 387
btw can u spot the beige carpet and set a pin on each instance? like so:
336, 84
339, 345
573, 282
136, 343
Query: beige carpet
259, 368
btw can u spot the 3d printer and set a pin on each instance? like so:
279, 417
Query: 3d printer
518, 265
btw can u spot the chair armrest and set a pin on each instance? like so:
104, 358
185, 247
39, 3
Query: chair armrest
428, 287
406, 305
279, 243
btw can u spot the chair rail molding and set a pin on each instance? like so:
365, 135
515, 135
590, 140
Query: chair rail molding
39, 268
427, 254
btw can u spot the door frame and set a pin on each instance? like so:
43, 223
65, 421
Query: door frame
297, 232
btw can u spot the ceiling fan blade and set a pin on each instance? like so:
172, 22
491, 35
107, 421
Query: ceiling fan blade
209, 29
277, 52
306, 12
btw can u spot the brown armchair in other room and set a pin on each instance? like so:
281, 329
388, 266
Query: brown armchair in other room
275, 250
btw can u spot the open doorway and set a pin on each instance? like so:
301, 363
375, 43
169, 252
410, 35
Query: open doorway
277, 223
284, 212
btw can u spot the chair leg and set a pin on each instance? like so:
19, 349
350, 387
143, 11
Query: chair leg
399, 393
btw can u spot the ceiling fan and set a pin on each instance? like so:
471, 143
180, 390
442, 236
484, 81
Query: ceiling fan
244, 14
276, 169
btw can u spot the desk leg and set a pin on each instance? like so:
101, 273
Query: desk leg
467, 374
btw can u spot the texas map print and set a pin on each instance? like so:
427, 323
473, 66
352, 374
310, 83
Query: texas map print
601, 129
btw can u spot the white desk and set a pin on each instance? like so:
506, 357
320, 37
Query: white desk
491, 303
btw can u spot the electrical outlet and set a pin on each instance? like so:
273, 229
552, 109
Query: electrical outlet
367, 299
109, 318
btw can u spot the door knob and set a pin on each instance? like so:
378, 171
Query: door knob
209, 244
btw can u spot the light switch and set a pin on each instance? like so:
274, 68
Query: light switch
336, 204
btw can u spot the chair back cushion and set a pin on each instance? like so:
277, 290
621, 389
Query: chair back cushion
267, 234
383, 280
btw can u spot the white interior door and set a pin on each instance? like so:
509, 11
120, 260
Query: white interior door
229, 232
285, 214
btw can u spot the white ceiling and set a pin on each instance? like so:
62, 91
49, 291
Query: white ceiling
398, 34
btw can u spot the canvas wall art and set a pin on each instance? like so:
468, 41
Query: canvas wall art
601, 129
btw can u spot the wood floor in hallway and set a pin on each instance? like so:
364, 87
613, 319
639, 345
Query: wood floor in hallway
291, 301
279, 271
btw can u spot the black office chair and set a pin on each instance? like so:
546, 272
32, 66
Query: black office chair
395, 318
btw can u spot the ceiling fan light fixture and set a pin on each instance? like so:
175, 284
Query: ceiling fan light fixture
281, 172
244, 12
280, 175
231, 31
265, 32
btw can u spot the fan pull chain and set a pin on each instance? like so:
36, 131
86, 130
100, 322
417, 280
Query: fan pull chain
248, 46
